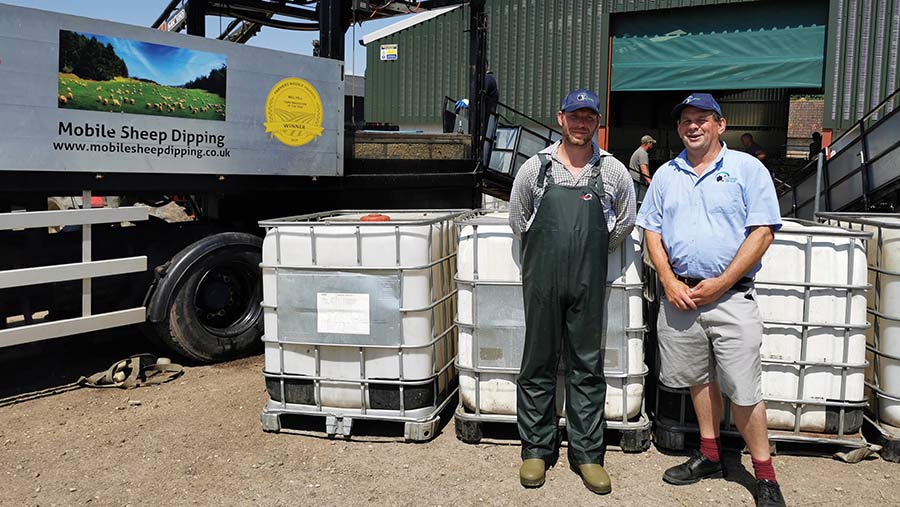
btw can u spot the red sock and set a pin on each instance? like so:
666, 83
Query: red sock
709, 447
764, 470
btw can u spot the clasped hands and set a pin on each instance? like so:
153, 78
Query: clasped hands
686, 298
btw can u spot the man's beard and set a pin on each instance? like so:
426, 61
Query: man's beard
571, 139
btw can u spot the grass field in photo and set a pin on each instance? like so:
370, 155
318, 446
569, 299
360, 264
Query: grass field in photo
126, 95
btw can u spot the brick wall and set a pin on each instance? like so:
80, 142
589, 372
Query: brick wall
804, 118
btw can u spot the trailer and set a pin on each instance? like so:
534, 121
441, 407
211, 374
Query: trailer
190, 141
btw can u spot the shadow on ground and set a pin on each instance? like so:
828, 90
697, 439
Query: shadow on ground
56, 364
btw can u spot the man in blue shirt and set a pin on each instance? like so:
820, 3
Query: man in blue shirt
708, 218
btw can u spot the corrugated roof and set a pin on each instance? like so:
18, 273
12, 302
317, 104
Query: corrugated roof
406, 23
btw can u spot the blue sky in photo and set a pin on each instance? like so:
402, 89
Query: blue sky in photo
166, 65
145, 12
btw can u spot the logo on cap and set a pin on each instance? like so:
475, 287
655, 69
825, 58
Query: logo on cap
586, 197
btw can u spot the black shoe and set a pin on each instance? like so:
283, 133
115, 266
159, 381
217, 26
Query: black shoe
768, 494
694, 469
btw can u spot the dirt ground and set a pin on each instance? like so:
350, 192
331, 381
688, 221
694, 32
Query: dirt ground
197, 441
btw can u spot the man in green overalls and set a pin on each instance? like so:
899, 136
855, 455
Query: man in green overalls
571, 204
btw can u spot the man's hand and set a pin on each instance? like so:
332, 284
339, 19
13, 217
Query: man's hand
709, 291
679, 295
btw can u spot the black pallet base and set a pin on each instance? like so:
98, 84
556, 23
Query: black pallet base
630, 440
669, 436
890, 445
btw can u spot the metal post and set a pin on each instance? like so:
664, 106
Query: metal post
864, 160
86, 256
477, 29
819, 166
331, 29
196, 17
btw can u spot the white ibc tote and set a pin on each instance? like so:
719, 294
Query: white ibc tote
491, 324
358, 317
812, 297
883, 338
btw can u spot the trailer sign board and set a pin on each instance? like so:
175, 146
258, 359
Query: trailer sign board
175, 22
83, 95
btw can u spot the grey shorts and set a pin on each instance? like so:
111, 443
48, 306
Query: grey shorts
719, 341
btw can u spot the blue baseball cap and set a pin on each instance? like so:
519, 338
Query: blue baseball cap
580, 99
703, 101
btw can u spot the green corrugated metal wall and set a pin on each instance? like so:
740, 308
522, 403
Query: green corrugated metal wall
433, 60
861, 57
861, 62
649, 5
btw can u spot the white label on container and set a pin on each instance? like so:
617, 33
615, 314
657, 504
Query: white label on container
341, 313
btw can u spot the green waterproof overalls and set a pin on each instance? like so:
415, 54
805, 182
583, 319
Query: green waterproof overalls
564, 283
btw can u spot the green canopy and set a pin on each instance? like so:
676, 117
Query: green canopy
720, 48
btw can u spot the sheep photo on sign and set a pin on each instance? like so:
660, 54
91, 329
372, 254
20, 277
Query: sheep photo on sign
102, 73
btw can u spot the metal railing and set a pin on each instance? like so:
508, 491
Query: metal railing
858, 168
85, 271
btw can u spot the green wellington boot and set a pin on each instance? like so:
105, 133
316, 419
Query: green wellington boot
531, 473
594, 478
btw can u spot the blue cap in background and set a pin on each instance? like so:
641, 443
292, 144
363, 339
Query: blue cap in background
700, 101
580, 99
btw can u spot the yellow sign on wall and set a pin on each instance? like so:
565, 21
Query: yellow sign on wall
388, 52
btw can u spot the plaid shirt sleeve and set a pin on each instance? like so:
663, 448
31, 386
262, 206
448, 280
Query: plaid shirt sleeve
522, 196
618, 184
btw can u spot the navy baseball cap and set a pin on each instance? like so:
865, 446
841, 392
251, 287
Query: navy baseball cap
703, 101
580, 99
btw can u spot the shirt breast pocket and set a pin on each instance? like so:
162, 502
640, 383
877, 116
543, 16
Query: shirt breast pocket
726, 200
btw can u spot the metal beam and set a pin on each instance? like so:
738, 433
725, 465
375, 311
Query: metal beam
331, 29
226, 33
68, 327
264, 8
196, 17
165, 13
35, 219
261, 19
68, 272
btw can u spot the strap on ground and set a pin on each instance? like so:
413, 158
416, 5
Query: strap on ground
135, 371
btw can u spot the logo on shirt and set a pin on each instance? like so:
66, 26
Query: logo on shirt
586, 197
724, 177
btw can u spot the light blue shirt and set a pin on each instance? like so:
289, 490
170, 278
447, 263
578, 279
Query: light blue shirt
704, 219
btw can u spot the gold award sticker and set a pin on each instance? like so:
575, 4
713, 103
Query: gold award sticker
294, 112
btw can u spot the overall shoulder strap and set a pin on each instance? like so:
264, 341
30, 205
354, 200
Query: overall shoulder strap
596, 173
546, 163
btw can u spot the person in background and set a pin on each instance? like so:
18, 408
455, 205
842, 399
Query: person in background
751, 147
708, 218
491, 98
640, 160
639, 166
571, 204
815, 146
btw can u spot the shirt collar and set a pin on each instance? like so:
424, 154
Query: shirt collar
553, 150
682, 162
